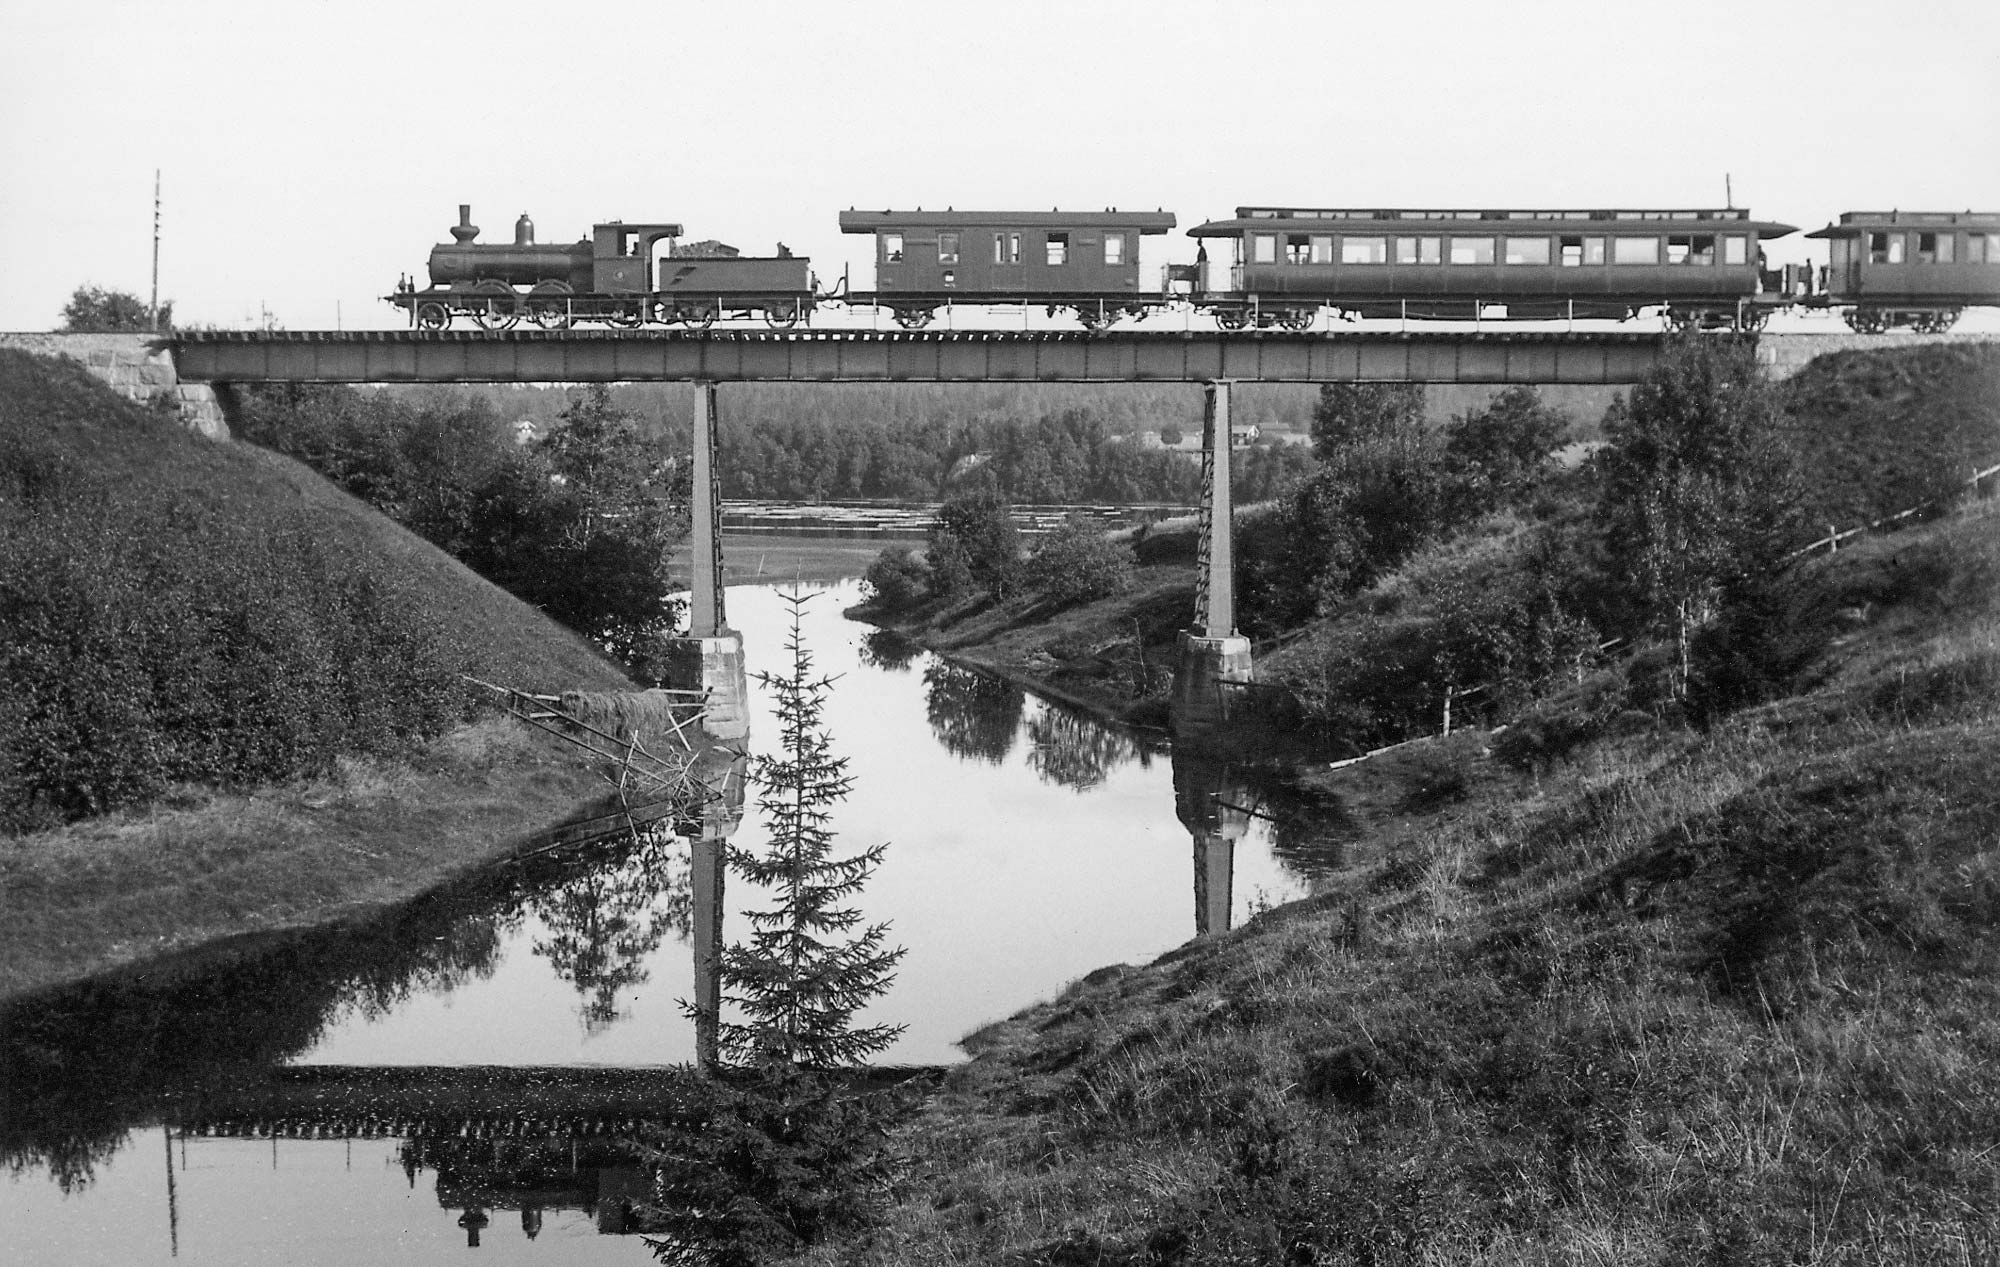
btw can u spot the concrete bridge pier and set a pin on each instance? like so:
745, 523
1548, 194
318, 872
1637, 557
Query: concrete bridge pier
1212, 653
710, 657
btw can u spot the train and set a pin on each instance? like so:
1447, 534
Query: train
1284, 268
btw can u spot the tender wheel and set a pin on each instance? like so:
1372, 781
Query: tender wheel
626, 315
1682, 320
913, 318
1935, 322
1297, 318
432, 315
1231, 318
782, 315
1753, 320
696, 316
1866, 320
548, 306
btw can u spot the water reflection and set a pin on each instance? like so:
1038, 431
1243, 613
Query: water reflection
973, 715
888, 650
602, 926
1072, 750
1216, 806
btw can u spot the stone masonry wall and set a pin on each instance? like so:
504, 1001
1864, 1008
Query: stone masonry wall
137, 366
1787, 354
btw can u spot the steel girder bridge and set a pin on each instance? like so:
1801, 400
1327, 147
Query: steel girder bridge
1213, 656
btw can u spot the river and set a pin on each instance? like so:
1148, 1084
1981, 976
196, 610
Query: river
454, 1071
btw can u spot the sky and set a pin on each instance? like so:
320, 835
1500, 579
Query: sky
310, 153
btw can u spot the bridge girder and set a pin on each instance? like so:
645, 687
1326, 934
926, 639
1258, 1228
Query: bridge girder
825, 356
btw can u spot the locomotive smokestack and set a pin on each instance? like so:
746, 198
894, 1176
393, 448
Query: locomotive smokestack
524, 231
465, 230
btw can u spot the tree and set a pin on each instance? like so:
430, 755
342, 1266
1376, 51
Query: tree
1696, 496
1352, 413
1493, 456
95, 310
980, 524
797, 984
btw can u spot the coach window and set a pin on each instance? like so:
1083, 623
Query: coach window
1322, 250
1527, 251
999, 248
1635, 250
1991, 254
1364, 250
1013, 248
1578, 251
1419, 250
1691, 248
1058, 249
1885, 248
1472, 250
1114, 249
1735, 249
892, 248
1263, 248
1934, 248
947, 248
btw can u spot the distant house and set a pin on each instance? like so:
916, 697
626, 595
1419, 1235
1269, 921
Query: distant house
527, 431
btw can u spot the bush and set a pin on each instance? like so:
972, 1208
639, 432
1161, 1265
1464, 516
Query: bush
1077, 564
897, 579
147, 640
979, 528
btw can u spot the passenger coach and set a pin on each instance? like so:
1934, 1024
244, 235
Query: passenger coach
1911, 268
1085, 261
1284, 264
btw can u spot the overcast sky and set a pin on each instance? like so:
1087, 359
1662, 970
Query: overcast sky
313, 151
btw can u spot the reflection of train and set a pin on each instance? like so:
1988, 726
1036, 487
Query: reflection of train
1285, 267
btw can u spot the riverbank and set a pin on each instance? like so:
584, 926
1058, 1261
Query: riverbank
206, 866
1686, 995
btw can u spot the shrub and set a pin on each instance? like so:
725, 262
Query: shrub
896, 579
1077, 564
146, 640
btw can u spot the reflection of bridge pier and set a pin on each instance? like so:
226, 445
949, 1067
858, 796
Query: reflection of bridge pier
1212, 652
721, 768
1213, 808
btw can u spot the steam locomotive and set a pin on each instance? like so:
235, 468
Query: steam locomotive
1284, 267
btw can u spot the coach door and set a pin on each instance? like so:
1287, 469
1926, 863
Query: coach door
1009, 272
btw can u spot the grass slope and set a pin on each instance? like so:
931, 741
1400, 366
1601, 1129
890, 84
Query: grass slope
203, 865
1721, 997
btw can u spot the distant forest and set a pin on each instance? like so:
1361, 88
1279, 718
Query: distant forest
1031, 443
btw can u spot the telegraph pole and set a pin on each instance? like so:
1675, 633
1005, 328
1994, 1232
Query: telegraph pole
153, 310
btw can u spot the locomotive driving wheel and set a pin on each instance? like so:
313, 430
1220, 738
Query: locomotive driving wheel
1231, 318
493, 306
548, 306
626, 314
432, 315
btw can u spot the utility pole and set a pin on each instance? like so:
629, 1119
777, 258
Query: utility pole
153, 310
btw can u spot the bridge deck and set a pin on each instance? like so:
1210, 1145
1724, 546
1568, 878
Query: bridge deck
861, 356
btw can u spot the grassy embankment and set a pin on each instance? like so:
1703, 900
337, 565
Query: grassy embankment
204, 862
1677, 995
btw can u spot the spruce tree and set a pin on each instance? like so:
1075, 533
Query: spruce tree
801, 977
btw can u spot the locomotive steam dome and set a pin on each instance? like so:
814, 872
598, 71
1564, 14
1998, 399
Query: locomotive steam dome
524, 231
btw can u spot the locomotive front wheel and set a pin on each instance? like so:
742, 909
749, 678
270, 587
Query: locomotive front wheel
781, 316
432, 315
